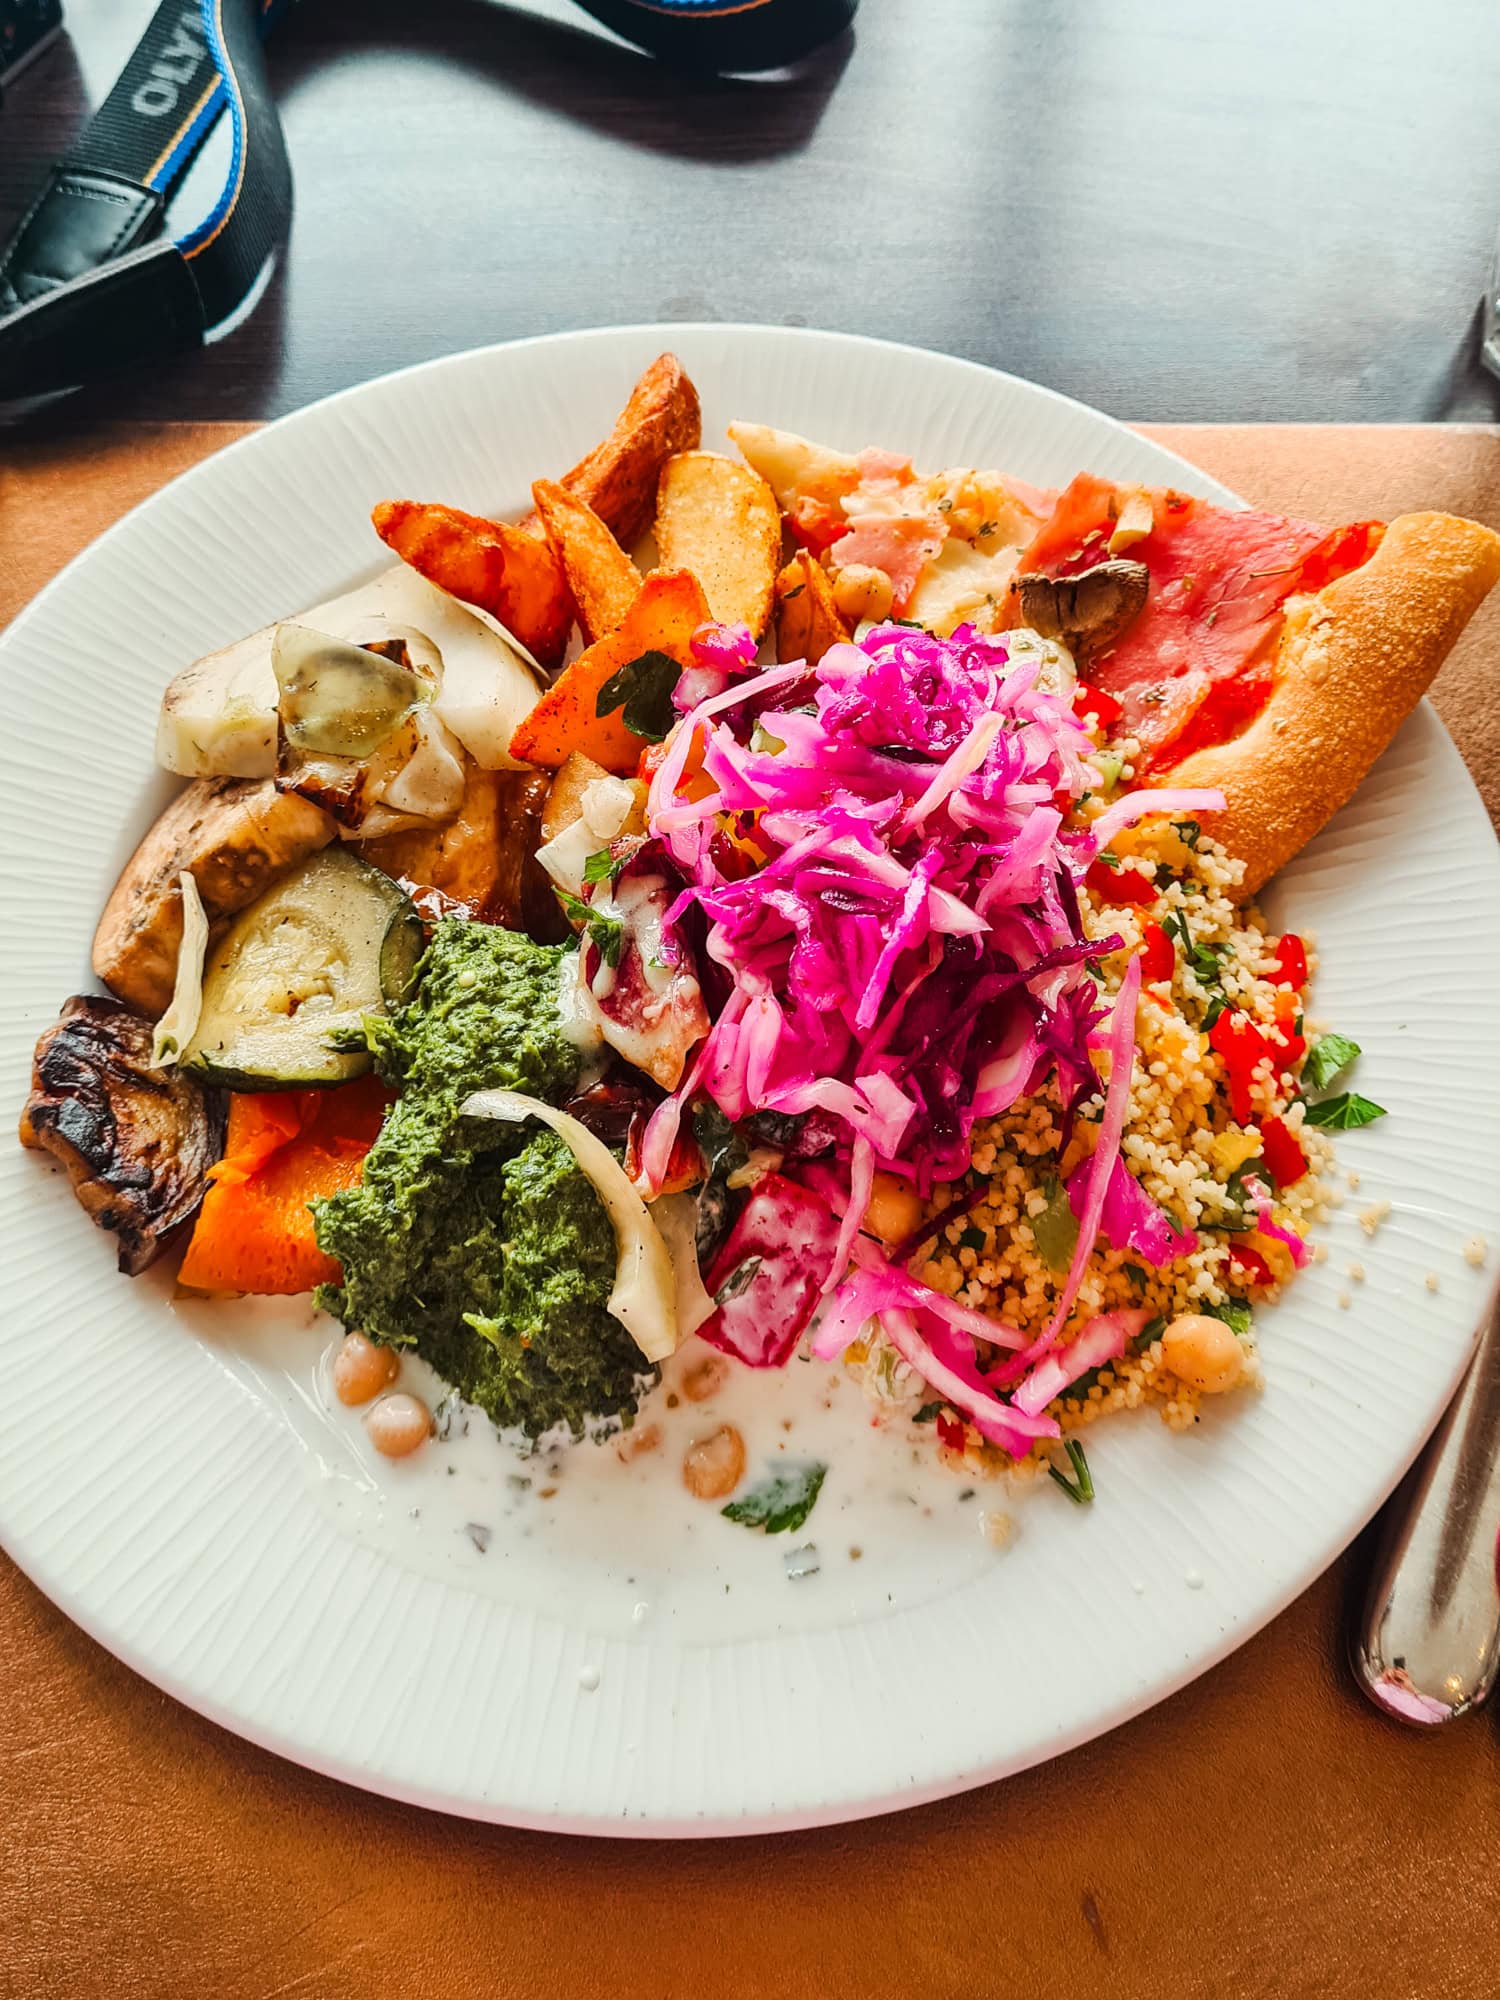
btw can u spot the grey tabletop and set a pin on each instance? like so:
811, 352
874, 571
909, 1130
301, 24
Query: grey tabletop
1169, 209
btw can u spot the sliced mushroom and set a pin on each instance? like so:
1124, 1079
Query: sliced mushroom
137, 1142
234, 836
1087, 612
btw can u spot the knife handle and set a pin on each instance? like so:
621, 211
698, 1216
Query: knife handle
1427, 1649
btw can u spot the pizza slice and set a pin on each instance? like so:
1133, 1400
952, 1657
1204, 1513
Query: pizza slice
1232, 648
939, 549
1262, 655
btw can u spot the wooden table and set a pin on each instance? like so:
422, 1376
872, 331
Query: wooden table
1263, 1834
1176, 211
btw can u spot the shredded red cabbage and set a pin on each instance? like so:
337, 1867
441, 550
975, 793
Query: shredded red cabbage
890, 897
1130, 1219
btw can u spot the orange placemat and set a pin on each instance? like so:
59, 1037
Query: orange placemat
1263, 1834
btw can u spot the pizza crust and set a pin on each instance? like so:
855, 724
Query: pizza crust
1354, 660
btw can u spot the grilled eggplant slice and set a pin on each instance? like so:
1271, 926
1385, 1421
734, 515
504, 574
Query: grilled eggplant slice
137, 1142
234, 836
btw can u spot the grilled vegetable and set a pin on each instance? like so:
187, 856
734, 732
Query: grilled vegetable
235, 837
1089, 611
219, 716
662, 620
298, 971
483, 858
137, 1142
284, 1150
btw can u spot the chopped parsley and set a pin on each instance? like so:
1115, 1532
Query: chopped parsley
604, 866
1136, 1275
929, 1413
1080, 1488
1203, 958
606, 933
1328, 1055
1055, 1230
1346, 1112
781, 1503
642, 691
1235, 1314
1152, 1330
719, 1139
1188, 831
972, 1239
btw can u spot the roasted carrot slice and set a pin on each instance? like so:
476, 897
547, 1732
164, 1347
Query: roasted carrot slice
663, 619
254, 1232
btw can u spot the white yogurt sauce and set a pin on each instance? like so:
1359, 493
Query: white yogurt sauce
622, 1541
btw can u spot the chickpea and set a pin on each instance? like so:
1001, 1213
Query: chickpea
862, 591
361, 1369
398, 1424
1203, 1352
704, 1377
637, 1441
715, 1464
895, 1209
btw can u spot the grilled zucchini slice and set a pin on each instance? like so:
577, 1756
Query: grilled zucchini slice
296, 973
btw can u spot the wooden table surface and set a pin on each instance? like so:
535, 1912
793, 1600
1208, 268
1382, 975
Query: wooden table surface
1176, 211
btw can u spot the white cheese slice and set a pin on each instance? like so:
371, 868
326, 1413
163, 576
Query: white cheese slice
218, 717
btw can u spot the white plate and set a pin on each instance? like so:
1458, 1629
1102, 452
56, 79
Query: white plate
168, 1488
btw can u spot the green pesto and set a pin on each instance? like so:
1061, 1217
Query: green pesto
483, 1245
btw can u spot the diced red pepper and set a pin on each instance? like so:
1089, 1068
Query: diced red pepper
1250, 1264
816, 525
1119, 885
1293, 1041
1237, 1039
1094, 701
950, 1430
1158, 955
1285, 1160
1291, 962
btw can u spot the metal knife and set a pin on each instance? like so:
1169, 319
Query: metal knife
1427, 1648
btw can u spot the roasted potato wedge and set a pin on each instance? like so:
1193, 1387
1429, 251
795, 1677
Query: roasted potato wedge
602, 578
483, 856
565, 799
720, 520
618, 478
137, 1142
510, 572
670, 608
807, 619
234, 836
